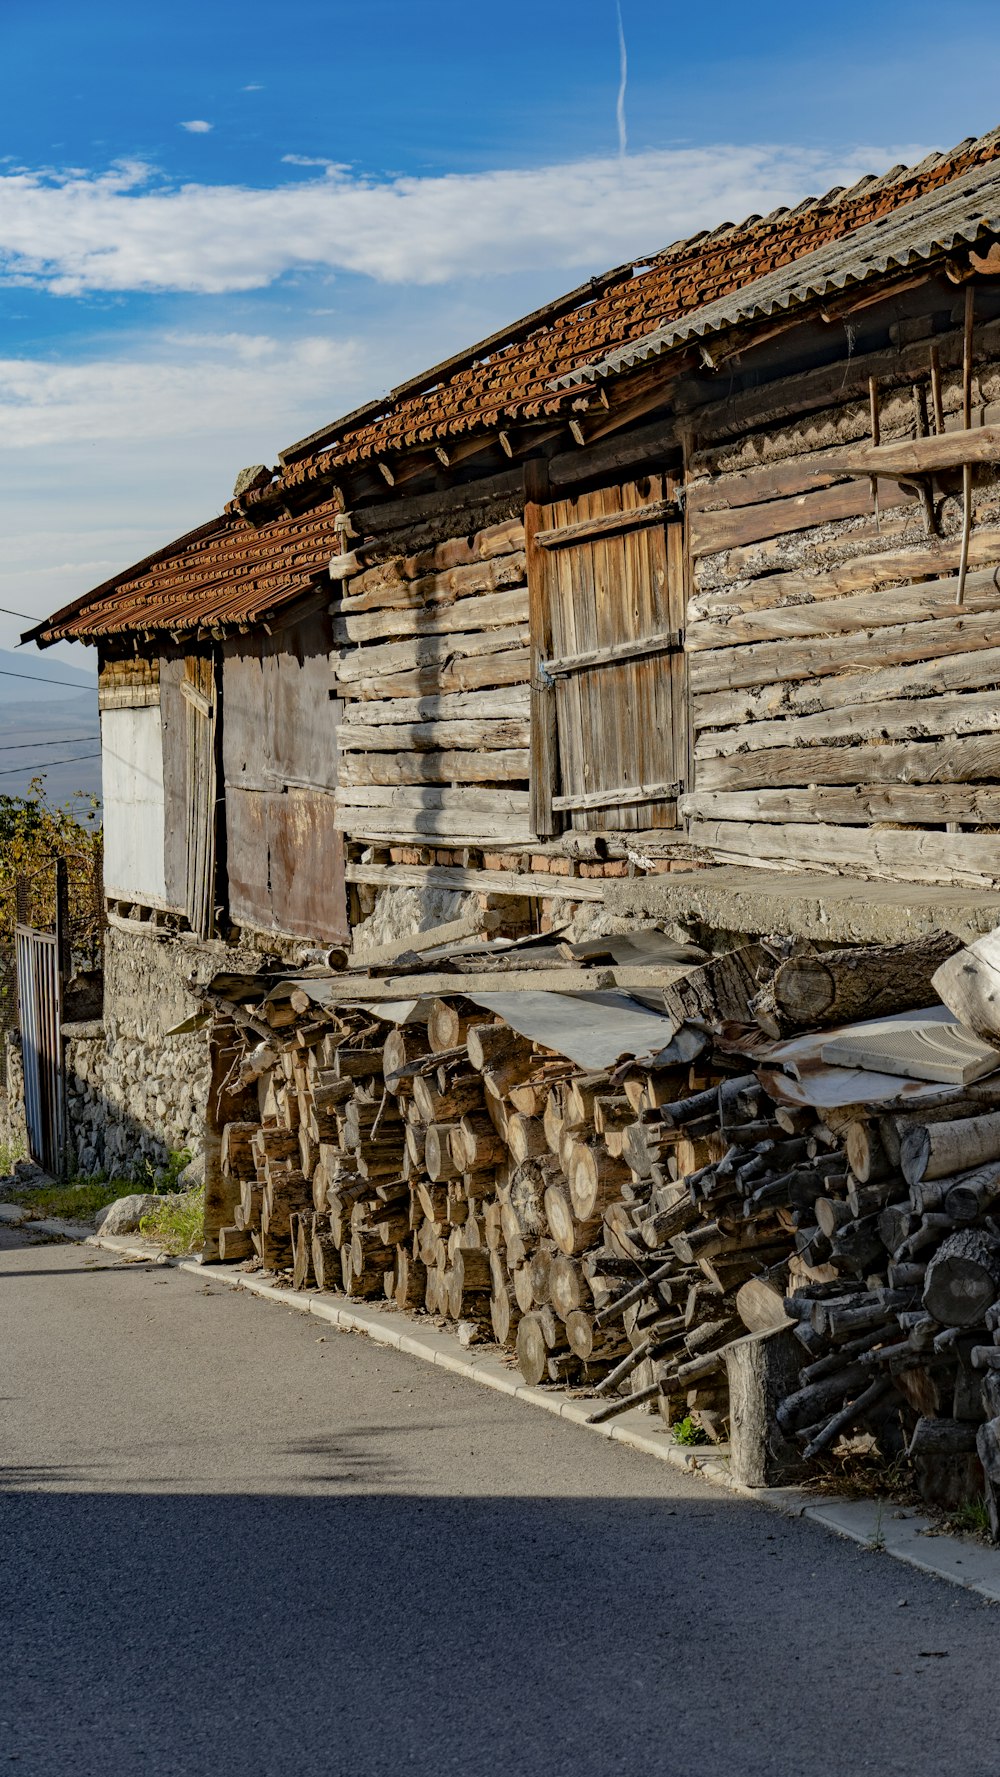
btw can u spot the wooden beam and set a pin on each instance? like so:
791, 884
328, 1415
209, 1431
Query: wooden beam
436, 737
625, 450
968, 859
426, 650
610, 524
765, 663
925, 805
511, 667
871, 686
798, 585
662, 643
353, 988
964, 760
492, 610
620, 796
388, 585
471, 766
396, 514
712, 532
924, 456
544, 750
462, 879
905, 718
856, 612
511, 703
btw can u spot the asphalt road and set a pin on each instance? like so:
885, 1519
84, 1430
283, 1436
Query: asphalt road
231, 1544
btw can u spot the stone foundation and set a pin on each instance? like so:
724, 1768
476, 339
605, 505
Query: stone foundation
133, 1093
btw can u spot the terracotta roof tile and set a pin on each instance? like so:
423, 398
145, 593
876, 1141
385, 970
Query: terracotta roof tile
232, 571
514, 381
226, 573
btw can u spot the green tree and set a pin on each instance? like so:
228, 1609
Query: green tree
33, 834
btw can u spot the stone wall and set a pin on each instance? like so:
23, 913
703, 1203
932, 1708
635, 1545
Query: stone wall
134, 1094
13, 1131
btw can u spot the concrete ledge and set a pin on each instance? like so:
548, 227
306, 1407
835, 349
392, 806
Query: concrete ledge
879, 1526
837, 909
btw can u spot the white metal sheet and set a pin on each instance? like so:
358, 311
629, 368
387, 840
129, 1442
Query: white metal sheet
595, 1030
132, 770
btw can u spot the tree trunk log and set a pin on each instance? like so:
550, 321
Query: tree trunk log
963, 1279
936, 1150
762, 1369
863, 981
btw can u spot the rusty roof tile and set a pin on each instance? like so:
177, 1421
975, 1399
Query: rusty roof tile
232, 571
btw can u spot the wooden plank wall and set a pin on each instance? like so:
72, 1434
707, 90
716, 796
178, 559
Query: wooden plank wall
279, 744
846, 712
433, 667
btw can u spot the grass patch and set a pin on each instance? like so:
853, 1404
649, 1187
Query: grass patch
73, 1203
177, 1222
10, 1151
971, 1519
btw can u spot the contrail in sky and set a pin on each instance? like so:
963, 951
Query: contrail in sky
622, 82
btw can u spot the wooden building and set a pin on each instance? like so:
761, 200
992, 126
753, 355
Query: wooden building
697, 565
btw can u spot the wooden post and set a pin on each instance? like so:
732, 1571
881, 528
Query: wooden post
64, 945
544, 755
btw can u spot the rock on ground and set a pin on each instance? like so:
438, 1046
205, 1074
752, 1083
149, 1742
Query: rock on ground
124, 1215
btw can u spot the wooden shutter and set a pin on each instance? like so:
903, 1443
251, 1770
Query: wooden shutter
285, 856
188, 722
607, 613
198, 691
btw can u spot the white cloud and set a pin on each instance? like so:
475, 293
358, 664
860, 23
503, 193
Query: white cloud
121, 231
225, 383
104, 461
197, 126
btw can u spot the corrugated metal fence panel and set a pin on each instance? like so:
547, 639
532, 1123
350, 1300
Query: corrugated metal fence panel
39, 990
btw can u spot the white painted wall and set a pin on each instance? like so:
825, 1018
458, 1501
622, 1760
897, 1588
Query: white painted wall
132, 769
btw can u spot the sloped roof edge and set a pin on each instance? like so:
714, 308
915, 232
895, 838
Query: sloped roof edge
957, 215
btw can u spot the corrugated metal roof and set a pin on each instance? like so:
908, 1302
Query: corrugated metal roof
959, 215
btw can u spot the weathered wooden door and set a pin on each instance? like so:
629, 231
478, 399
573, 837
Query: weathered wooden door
279, 747
609, 711
198, 691
188, 712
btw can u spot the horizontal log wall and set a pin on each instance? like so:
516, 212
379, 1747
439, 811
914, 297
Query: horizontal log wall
434, 668
845, 708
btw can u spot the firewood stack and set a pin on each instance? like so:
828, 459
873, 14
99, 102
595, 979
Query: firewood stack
593, 1225
689, 1238
894, 1286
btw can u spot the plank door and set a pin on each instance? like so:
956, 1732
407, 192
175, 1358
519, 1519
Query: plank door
285, 855
609, 706
188, 711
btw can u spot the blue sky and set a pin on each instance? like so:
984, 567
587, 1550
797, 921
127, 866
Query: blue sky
368, 189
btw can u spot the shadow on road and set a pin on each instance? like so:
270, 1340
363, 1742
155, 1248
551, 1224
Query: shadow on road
380, 1634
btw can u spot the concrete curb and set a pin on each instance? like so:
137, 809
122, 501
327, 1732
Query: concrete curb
907, 1536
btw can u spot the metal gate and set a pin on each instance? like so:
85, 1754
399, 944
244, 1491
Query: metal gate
39, 995
42, 964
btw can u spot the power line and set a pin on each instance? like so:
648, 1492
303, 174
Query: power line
37, 679
44, 764
28, 614
61, 740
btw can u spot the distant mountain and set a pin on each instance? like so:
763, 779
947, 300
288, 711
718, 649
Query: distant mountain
30, 677
48, 730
